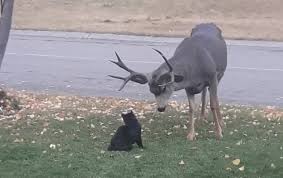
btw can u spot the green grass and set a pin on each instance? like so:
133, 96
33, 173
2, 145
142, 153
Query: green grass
81, 148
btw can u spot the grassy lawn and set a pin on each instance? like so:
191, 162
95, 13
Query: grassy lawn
63, 142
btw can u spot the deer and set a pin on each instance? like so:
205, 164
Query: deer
197, 66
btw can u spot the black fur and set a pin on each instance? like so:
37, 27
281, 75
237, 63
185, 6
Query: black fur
127, 134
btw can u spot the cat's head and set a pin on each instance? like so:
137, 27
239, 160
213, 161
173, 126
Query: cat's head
129, 117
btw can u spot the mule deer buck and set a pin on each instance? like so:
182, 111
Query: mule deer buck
198, 63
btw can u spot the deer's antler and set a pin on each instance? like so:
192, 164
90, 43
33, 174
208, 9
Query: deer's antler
134, 76
165, 59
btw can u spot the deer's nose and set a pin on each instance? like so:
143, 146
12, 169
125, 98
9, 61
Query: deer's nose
161, 109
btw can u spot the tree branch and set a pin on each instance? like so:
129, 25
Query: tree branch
5, 25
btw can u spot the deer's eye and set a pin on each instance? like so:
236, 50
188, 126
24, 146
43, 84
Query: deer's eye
163, 89
165, 78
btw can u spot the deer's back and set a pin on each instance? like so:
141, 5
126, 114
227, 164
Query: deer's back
191, 52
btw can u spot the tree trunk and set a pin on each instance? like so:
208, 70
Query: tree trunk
5, 25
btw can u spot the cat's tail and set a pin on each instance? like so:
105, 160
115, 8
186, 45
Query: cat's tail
120, 148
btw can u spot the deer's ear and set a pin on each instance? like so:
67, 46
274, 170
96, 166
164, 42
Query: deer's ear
178, 78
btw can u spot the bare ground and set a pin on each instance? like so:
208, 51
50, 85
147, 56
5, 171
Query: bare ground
239, 19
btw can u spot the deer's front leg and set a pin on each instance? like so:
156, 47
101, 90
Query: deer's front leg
203, 104
192, 134
214, 105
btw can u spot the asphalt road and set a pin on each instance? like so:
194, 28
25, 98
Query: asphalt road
77, 63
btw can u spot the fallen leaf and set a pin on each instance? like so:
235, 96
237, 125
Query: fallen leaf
228, 169
239, 142
43, 131
236, 162
181, 162
242, 168
137, 156
52, 146
176, 126
18, 140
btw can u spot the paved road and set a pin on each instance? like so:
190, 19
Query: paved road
77, 63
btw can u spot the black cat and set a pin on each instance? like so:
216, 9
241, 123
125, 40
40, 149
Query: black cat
127, 134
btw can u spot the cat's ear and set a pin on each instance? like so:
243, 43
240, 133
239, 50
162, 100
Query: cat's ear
124, 113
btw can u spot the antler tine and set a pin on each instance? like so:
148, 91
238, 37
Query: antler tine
117, 77
126, 80
134, 76
168, 64
120, 63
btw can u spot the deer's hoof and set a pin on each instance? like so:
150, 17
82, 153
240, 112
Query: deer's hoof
219, 135
191, 136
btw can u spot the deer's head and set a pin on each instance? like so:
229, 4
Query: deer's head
161, 81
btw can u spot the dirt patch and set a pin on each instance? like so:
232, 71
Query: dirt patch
239, 19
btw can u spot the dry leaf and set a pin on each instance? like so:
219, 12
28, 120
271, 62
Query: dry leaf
239, 142
242, 168
18, 140
236, 162
176, 126
272, 166
52, 146
137, 156
43, 131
